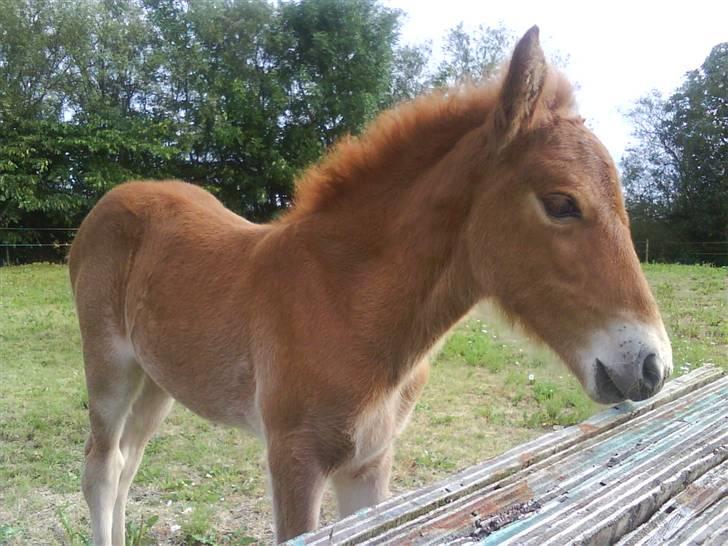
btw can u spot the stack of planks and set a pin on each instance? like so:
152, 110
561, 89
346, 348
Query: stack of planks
647, 473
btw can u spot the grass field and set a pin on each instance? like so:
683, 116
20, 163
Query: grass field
202, 484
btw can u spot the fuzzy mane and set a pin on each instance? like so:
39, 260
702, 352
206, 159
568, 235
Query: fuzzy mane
418, 132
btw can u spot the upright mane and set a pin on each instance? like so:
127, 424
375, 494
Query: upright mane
417, 132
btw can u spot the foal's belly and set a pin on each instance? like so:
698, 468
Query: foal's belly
216, 386
188, 332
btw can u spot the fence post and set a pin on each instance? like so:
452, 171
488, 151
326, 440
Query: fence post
647, 251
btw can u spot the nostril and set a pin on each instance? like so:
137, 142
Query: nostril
651, 375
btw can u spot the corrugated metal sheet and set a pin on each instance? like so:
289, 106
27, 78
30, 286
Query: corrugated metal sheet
588, 484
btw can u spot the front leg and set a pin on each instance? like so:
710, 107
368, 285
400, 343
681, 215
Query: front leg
364, 485
298, 483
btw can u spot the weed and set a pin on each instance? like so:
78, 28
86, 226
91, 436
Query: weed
491, 415
198, 529
443, 420
434, 461
74, 536
239, 538
8, 532
138, 534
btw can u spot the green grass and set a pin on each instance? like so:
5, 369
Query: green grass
206, 485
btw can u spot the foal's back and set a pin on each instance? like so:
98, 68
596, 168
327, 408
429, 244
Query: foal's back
144, 266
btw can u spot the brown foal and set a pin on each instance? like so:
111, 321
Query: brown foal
314, 331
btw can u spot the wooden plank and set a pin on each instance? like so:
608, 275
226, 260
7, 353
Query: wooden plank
394, 516
709, 530
690, 517
596, 492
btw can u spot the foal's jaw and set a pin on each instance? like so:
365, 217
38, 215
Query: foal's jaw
626, 360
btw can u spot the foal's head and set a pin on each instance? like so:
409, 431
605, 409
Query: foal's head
550, 218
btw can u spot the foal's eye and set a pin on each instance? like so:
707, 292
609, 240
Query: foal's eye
560, 205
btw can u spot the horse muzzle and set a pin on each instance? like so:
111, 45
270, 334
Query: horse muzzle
627, 361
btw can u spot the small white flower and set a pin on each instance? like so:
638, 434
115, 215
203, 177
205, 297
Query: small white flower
174, 528
531, 378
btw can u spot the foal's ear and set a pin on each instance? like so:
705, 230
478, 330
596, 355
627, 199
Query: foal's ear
521, 89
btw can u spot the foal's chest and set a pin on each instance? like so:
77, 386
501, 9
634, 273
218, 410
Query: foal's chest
382, 421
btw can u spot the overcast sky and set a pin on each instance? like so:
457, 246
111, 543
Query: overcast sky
618, 50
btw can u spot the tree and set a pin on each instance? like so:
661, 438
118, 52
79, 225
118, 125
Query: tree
76, 107
410, 77
337, 63
465, 58
35, 38
675, 177
472, 57
238, 96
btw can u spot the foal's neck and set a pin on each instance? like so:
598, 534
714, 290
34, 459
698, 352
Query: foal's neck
400, 251
428, 239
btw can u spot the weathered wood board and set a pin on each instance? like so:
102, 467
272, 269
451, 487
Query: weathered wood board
698, 515
613, 477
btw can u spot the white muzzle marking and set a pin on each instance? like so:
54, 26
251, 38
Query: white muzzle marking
628, 359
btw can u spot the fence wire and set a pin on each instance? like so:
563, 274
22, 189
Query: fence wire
51, 244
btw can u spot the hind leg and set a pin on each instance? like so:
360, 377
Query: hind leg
148, 411
113, 382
